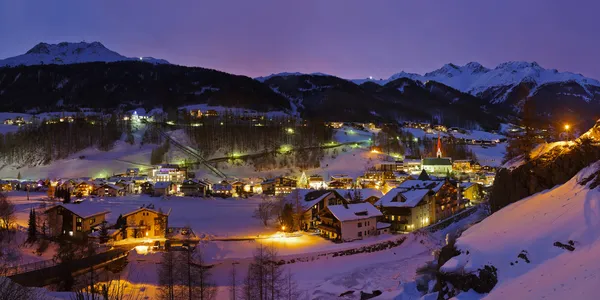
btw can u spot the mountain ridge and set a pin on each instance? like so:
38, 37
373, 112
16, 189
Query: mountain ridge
65, 53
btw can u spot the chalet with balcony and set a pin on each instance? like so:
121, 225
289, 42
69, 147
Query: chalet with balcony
311, 202
109, 190
278, 186
145, 222
164, 188
348, 222
75, 220
194, 188
407, 210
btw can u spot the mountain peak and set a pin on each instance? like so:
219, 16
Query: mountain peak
71, 53
518, 65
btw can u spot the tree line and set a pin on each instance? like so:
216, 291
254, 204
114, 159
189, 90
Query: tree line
42, 142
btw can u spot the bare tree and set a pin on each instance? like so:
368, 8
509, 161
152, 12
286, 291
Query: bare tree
13, 291
167, 276
264, 211
7, 215
266, 279
233, 281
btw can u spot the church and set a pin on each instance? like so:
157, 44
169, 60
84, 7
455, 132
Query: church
437, 165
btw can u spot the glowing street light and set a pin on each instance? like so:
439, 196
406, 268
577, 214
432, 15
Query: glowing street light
567, 126
283, 227
290, 130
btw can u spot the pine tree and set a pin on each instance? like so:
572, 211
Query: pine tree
32, 229
103, 232
19, 176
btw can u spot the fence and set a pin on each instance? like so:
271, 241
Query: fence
9, 271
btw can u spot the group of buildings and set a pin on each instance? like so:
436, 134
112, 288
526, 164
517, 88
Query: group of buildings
351, 214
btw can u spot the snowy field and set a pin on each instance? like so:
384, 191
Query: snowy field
569, 212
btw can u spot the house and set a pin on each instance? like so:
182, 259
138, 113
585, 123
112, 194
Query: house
311, 202
109, 190
316, 182
74, 220
193, 188
133, 172
412, 165
462, 165
145, 222
147, 188
164, 188
349, 222
445, 194
5, 186
237, 187
222, 189
211, 113
344, 179
407, 210
83, 189
361, 195
472, 191
278, 186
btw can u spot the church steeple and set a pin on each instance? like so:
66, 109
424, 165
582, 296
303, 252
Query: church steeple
439, 147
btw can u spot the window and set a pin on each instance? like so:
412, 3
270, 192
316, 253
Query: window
78, 228
359, 224
393, 218
92, 221
79, 220
360, 234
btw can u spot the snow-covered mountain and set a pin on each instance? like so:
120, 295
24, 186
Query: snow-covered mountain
475, 79
71, 53
285, 74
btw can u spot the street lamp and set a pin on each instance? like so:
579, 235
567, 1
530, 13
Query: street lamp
567, 127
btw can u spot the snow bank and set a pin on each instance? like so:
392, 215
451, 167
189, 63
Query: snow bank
527, 231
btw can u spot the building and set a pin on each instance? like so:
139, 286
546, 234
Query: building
412, 165
194, 188
463, 165
133, 172
109, 190
172, 173
361, 195
437, 165
349, 222
147, 188
444, 193
145, 223
407, 210
75, 220
164, 188
222, 189
311, 202
278, 186
317, 182
391, 166
472, 191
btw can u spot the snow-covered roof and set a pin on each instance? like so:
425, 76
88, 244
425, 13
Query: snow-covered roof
83, 209
421, 184
383, 225
411, 198
355, 211
466, 185
162, 184
365, 193
112, 186
307, 197
147, 209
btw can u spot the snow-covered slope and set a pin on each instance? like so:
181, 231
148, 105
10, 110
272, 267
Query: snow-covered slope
544, 246
475, 79
71, 53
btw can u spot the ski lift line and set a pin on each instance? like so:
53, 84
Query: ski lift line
192, 152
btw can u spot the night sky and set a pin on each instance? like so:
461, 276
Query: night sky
351, 39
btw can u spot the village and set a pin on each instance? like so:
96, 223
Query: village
390, 198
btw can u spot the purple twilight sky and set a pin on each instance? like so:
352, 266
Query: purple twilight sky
347, 38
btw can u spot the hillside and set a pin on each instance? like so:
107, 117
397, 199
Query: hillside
542, 247
130, 84
549, 165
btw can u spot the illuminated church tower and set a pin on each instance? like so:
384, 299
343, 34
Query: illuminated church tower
439, 147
